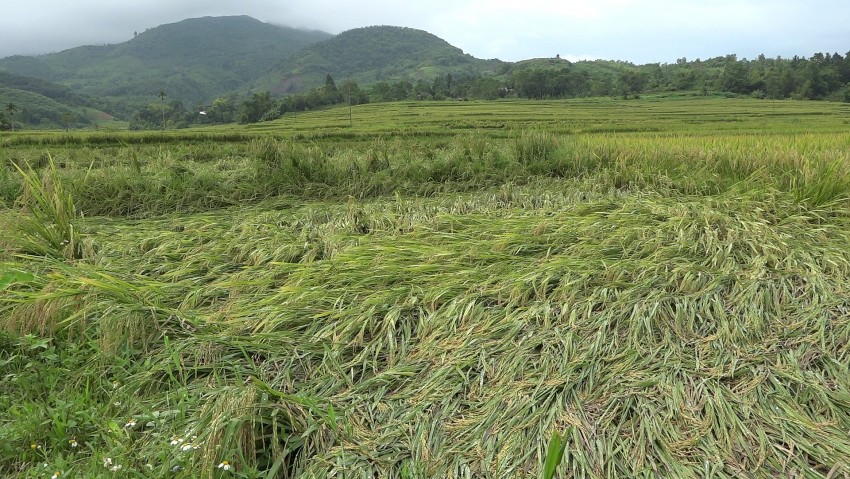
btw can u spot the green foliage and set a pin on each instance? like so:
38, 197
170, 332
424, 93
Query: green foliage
60, 93
38, 111
254, 108
367, 55
193, 60
159, 115
630, 82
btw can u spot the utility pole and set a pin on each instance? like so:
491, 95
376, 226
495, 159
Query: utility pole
162, 96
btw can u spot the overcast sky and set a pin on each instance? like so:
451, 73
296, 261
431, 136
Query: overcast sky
645, 31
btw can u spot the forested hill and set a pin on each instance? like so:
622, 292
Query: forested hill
372, 54
192, 60
32, 102
54, 91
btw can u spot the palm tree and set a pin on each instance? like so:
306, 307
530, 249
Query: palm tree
162, 96
12, 109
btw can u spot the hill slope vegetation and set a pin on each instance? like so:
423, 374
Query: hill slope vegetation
39, 103
373, 54
192, 60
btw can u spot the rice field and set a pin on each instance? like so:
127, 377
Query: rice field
433, 290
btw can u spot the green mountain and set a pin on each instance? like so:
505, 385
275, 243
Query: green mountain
192, 61
372, 54
40, 103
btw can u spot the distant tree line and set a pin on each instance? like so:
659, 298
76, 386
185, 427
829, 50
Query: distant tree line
261, 107
257, 107
820, 77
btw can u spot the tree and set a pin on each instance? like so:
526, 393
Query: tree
630, 82
12, 109
532, 83
330, 92
773, 87
162, 96
255, 107
223, 110
487, 88
67, 118
422, 90
382, 91
734, 76
353, 91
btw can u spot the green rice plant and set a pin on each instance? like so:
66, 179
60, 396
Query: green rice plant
10, 276
48, 222
10, 187
282, 167
536, 147
822, 181
554, 455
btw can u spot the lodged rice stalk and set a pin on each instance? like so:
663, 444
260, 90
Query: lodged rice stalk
660, 336
585, 299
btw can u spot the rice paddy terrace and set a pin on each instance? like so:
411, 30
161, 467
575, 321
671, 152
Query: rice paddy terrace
433, 290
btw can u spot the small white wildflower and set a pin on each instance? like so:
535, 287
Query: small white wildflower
130, 423
107, 462
149, 466
117, 403
186, 447
115, 384
56, 475
73, 442
115, 468
175, 440
225, 466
